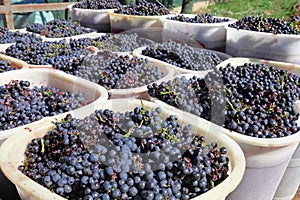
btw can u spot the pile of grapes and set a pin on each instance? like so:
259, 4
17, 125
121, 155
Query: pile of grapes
143, 8
5, 66
113, 71
7, 36
20, 104
57, 28
38, 52
123, 42
268, 25
199, 18
133, 155
183, 56
259, 101
98, 4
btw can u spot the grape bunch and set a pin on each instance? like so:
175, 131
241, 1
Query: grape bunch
57, 28
122, 42
183, 56
295, 22
6, 66
143, 8
98, 4
259, 101
107, 156
191, 95
199, 18
38, 52
113, 71
20, 104
7, 36
268, 25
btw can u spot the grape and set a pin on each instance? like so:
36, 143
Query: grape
98, 4
22, 105
259, 101
268, 25
199, 18
143, 8
7, 36
57, 28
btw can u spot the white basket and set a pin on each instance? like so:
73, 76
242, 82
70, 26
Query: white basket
209, 35
122, 22
96, 19
266, 159
11, 157
280, 47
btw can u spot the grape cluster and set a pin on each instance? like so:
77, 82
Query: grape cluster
268, 25
7, 36
5, 66
61, 52
113, 71
260, 101
20, 104
122, 42
183, 56
199, 18
98, 4
107, 156
143, 8
191, 95
57, 28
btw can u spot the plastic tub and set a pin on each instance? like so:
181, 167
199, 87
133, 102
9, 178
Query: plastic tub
279, 47
122, 22
266, 159
291, 179
223, 56
209, 35
92, 92
96, 19
11, 157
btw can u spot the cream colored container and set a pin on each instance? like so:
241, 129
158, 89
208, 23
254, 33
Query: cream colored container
96, 19
209, 35
88, 35
122, 22
178, 70
280, 47
291, 179
11, 157
93, 93
266, 159
266, 169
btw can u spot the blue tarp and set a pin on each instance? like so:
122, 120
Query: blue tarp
22, 19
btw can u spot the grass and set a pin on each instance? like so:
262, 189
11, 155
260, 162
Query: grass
241, 8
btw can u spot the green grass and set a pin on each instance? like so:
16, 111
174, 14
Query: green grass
241, 8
